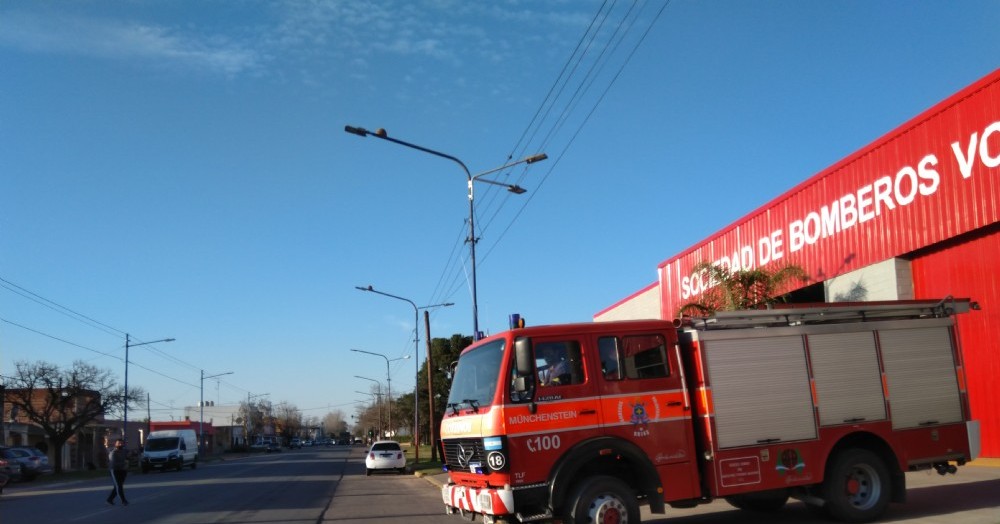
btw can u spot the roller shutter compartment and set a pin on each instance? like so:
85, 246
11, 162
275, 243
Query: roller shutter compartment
760, 388
848, 380
920, 372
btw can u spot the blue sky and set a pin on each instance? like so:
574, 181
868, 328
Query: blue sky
180, 169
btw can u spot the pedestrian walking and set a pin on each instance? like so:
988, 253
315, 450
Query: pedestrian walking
118, 464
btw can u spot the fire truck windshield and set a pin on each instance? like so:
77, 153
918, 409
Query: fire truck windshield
476, 377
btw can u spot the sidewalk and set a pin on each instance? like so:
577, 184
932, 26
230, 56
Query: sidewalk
985, 462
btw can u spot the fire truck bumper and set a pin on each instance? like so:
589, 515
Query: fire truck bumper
486, 501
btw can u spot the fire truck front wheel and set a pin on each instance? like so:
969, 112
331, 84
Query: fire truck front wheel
604, 500
856, 488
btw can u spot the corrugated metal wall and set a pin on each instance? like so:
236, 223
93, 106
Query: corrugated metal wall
935, 177
965, 267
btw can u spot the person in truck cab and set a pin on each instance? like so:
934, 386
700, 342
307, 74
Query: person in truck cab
556, 371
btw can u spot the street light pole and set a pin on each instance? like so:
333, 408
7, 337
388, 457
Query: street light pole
513, 188
127, 345
201, 417
388, 379
416, 361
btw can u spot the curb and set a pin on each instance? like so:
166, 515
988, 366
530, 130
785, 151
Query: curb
431, 479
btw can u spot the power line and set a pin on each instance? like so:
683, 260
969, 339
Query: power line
62, 340
63, 310
587, 46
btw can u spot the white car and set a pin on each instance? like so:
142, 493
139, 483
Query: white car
385, 454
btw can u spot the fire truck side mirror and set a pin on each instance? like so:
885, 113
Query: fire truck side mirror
524, 361
524, 364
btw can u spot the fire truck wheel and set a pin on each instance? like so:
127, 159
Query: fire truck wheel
856, 488
604, 500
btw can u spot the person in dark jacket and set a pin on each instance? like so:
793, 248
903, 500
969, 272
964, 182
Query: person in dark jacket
118, 464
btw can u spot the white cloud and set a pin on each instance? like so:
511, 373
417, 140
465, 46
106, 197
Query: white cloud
123, 40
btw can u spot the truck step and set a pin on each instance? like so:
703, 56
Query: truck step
533, 518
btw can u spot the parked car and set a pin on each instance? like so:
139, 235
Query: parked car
295, 443
37, 464
385, 454
4, 478
10, 470
273, 447
26, 463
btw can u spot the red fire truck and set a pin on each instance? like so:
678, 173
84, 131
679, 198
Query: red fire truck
827, 404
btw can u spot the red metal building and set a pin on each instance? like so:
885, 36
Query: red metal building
914, 215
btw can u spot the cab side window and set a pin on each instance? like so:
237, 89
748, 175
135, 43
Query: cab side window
645, 356
559, 363
611, 358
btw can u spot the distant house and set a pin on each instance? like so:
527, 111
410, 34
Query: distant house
85, 449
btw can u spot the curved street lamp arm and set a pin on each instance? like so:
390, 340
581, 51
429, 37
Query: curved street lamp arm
381, 133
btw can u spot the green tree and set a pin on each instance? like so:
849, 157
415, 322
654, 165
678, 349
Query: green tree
444, 353
742, 289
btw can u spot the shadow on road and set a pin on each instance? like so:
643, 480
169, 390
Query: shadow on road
954, 500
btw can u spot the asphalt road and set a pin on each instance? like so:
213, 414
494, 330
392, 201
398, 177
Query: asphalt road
972, 496
311, 485
325, 485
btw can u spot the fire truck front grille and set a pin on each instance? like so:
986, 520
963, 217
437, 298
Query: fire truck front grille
459, 453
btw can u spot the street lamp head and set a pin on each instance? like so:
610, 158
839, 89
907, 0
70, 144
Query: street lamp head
516, 189
536, 158
360, 131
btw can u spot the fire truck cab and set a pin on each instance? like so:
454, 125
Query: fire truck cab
828, 404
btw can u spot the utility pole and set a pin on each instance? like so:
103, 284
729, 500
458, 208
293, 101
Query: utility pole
430, 385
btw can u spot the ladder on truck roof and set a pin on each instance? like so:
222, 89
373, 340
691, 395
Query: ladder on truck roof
829, 313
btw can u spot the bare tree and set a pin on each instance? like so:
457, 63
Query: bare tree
335, 423
367, 419
64, 401
255, 415
288, 419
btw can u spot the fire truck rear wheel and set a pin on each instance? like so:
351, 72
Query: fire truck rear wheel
857, 487
604, 500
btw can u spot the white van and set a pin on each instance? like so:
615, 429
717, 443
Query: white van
173, 448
